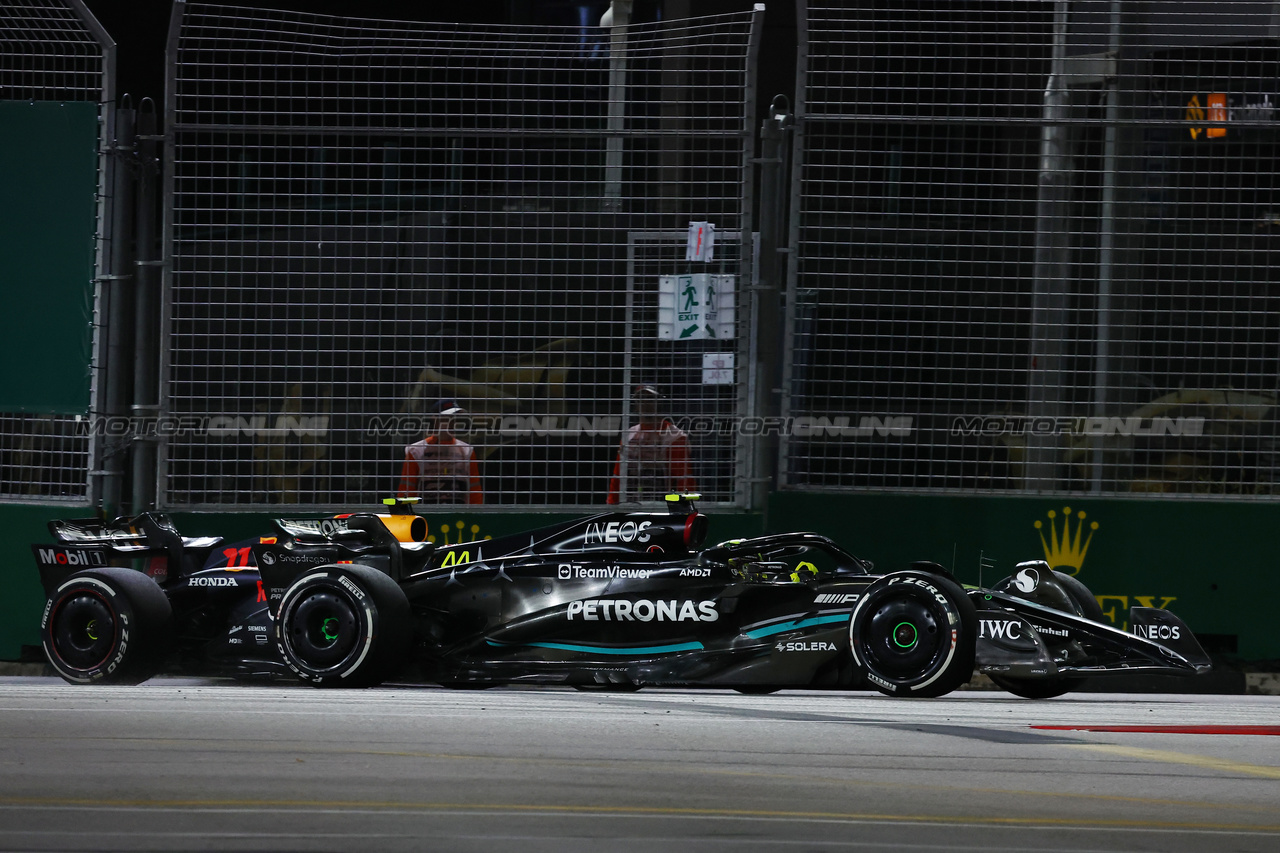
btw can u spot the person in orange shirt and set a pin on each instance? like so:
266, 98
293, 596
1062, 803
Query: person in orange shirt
654, 455
441, 468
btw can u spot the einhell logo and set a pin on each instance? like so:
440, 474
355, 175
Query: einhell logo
1064, 550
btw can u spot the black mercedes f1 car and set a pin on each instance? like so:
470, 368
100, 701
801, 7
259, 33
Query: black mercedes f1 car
620, 600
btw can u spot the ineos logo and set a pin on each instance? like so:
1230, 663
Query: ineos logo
1158, 632
626, 531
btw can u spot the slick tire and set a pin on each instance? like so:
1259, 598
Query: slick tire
1047, 688
913, 634
106, 626
343, 626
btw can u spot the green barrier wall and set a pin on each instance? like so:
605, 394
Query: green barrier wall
48, 206
23, 598
1209, 562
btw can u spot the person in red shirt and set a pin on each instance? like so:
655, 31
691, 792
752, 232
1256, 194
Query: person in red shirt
441, 468
653, 459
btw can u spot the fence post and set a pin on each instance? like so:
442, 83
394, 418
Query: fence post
118, 310
775, 133
146, 367
1052, 271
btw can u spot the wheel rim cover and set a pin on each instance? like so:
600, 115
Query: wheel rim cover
84, 631
324, 629
904, 638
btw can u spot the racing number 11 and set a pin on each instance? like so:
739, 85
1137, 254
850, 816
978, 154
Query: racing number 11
234, 554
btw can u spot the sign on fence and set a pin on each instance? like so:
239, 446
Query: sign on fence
693, 307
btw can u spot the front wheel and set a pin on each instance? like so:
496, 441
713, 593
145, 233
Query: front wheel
913, 634
106, 626
345, 625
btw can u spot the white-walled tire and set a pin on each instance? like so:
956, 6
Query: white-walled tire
106, 626
346, 625
913, 634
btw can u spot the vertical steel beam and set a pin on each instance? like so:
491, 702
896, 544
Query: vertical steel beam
146, 368
1106, 250
116, 368
775, 133
1047, 377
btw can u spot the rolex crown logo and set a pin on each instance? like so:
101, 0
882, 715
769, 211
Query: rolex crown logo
459, 533
1065, 552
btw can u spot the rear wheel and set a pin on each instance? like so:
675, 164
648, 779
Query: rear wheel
1083, 604
913, 634
343, 626
106, 626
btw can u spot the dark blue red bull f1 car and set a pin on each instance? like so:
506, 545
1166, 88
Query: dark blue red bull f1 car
620, 600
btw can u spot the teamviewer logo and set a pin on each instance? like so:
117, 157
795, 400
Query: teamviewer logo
565, 572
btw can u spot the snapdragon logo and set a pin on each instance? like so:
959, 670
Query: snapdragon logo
623, 610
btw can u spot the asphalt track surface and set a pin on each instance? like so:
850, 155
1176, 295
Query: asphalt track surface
183, 764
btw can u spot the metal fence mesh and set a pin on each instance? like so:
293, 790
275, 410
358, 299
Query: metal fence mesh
1036, 248
368, 217
49, 51
49, 54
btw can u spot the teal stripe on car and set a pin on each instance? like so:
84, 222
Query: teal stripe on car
611, 650
796, 625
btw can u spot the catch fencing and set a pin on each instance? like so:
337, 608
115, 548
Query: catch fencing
369, 217
56, 80
1032, 249
1036, 248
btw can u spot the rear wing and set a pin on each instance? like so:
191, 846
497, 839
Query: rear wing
85, 543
